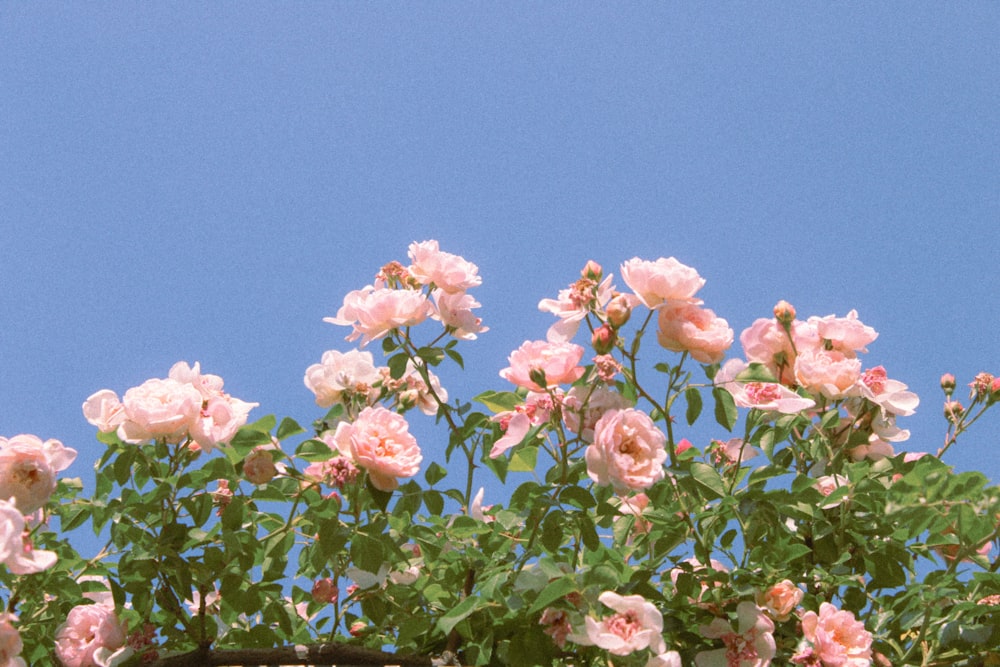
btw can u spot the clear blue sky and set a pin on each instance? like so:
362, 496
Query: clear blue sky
205, 181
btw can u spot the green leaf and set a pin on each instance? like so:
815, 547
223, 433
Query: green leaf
397, 365
578, 497
709, 478
456, 357
725, 408
499, 401
555, 590
288, 428
434, 474
524, 459
693, 397
755, 372
460, 612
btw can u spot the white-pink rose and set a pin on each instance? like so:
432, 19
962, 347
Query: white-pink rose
635, 625
846, 334
890, 395
452, 273
104, 410
159, 408
573, 304
628, 451
662, 282
694, 330
835, 638
454, 309
341, 376
827, 484
765, 341
780, 599
752, 643
766, 396
87, 629
540, 364
16, 551
10, 643
380, 442
28, 469
219, 420
536, 409
581, 418
373, 312
827, 372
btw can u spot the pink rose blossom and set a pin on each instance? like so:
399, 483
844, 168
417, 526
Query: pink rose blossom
694, 330
635, 626
16, 550
827, 484
103, 410
219, 420
87, 629
875, 449
668, 659
539, 364
373, 312
10, 643
628, 451
665, 281
835, 639
536, 409
158, 409
891, 395
454, 310
827, 372
765, 341
449, 272
380, 442
573, 304
750, 646
599, 400
846, 334
28, 469
732, 452
557, 625
340, 376
780, 599
767, 396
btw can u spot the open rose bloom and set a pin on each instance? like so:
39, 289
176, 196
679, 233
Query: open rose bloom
380, 442
635, 625
540, 364
28, 468
628, 451
750, 644
834, 638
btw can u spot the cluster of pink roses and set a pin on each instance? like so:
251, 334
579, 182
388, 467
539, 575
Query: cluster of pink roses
434, 285
186, 405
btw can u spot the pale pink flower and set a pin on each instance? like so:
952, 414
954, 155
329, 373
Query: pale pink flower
16, 550
207, 384
10, 643
767, 396
827, 484
28, 469
765, 341
580, 418
160, 408
454, 310
628, 450
752, 645
875, 449
697, 331
477, 510
846, 334
104, 410
835, 638
662, 282
780, 599
827, 372
374, 312
212, 601
891, 395
668, 659
380, 442
340, 376
536, 409
449, 272
540, 364
219, 420
411, 390
573, 304
87, 629
635, 626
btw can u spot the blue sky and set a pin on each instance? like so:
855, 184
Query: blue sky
204, 182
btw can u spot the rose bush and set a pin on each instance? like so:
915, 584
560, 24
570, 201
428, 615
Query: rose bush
793, 533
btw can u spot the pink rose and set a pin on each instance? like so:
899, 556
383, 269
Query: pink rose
159, 409
219, 420
766, 396
455, 312
780, 599
104, 410
87, 629
662, 282
28, 469
635, 626
890, 395
734, 451
375, 312
766, 342
573, 304
581, 418
412, 391
628, 451
827, 484
536, 409
340, 376
836, 638
827, 372
846, 334
540, 364
10, 643
380, 442
557, 625
694, 330
15, 548
442, 269
753, 645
